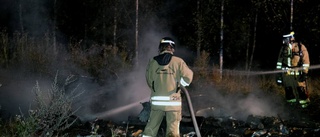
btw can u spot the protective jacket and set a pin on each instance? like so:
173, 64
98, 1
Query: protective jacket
294, 56
163, 75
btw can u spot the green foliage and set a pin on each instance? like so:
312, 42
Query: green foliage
23, 127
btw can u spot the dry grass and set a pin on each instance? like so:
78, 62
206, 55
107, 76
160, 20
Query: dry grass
235, 81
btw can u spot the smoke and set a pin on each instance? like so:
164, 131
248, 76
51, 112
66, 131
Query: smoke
126, 95
16, 92
211, 102
117, 99
120, 98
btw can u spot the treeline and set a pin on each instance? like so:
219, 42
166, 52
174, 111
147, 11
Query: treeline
251, 30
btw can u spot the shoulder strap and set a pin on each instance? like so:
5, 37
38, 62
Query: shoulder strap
299, 45
300, 54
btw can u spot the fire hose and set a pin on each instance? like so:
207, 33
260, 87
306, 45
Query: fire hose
145, 113
194, 120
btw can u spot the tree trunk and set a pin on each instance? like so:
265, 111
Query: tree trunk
247, 51
85, 27
291, 16
199, 30
21, 19
137, 32
221, 39
54, 28
104, 31
254, 39
115, 24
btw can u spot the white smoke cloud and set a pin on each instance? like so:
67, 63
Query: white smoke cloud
212, 103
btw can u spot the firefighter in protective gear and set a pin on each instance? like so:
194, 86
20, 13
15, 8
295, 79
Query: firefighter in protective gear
165, 73
294, 62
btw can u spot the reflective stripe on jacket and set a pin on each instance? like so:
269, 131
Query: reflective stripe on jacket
165, 101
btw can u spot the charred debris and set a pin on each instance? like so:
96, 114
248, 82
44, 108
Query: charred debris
253, 126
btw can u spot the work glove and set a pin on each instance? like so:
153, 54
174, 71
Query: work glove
303, 77
279, 79
145, 112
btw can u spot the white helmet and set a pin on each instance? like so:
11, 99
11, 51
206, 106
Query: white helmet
288, 38
165, 42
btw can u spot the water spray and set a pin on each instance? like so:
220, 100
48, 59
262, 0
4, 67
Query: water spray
120, 109
272, 71
115, 111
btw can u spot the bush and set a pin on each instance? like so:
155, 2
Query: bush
50, 117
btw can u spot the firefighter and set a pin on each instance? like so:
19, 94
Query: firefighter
165, 73
293, 61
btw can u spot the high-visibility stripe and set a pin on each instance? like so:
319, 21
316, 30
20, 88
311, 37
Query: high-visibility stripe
146, 136
293, 73
167, 41
292, 100
160, 98
303, 101
305, 65
289, 61
159, 103
183, 83
304, 105
288, 35
279, 63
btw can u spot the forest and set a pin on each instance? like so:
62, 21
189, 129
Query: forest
105, 45
250, 27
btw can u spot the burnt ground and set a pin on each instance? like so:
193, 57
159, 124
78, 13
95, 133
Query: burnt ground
301, 122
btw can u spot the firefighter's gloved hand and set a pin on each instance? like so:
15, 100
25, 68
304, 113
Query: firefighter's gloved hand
145, 112
183, 83
303, 77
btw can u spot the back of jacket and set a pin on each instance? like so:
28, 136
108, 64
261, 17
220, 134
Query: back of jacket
163, 76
